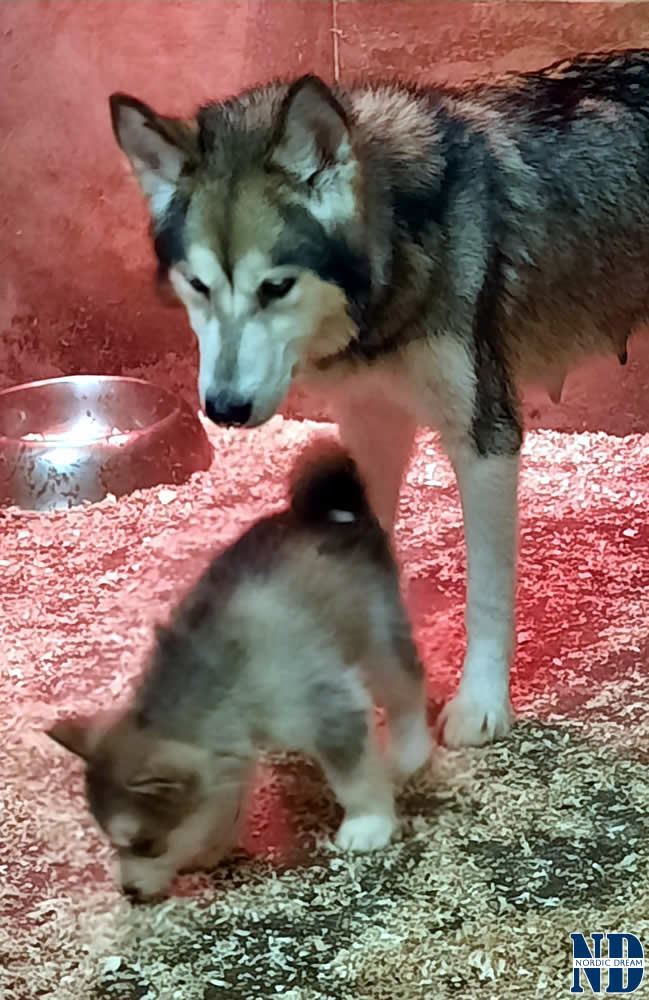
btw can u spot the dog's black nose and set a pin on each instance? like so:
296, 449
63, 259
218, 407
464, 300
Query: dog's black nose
228, 412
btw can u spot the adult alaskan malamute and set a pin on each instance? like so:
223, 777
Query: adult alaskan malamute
419, 254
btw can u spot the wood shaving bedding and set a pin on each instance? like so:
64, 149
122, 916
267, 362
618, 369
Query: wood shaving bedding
504, 851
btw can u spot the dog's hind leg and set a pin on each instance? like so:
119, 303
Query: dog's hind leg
379, 436
346, 746
481, 710
365, 792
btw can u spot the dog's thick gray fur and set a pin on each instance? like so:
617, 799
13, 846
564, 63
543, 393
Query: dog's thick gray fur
418, 254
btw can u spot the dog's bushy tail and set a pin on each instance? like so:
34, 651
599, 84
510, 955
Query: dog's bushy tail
326, 487
619, 75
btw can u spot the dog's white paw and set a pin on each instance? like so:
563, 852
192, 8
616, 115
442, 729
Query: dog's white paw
474, 718
365, 833
143, 880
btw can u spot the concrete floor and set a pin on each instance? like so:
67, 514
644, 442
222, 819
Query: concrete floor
76, 263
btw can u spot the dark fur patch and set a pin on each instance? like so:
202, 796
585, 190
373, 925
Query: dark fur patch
341, 737
326, 479
558, 89
496, 427
189, 672
418, 205
406, 651
104, 797
168, 234
306, 244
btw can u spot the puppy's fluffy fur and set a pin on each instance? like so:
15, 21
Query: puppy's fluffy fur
284, 643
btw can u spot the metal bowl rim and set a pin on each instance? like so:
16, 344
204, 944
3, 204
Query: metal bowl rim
58, 379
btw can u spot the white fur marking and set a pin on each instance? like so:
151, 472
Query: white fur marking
122, 829
266, 358
341, 516
481, 709
334, 202
205, 266
250, 271
365, 833
159, 193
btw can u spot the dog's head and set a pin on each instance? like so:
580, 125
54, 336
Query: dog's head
258, 224
154, 798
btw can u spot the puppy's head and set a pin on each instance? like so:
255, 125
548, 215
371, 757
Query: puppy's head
149, 795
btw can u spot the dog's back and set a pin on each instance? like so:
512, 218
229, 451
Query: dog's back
302, 593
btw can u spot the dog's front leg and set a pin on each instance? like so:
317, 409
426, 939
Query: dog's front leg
379, 436
481, 709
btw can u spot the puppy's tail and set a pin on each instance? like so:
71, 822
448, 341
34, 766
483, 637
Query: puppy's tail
326, 487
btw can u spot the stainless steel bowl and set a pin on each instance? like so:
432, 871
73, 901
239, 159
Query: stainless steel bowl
67, 441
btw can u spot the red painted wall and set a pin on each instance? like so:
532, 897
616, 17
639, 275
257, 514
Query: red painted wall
75, 288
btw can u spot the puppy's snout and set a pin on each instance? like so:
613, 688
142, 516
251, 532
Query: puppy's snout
138, 897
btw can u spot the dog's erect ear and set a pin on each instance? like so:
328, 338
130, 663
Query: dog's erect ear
159, 148
79, 736
312, 133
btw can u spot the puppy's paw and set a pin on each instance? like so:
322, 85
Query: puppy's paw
473, 718
366, 833
144, 881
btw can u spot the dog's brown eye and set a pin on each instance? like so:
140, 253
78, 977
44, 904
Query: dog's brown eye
144, 848
270, 290
200, 287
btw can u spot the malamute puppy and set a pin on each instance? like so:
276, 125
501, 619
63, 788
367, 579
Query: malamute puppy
284, 643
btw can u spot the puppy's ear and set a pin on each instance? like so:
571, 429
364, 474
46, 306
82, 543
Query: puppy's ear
165, 637
171, 789
170, 773
79, 736
160, 632
158, 786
